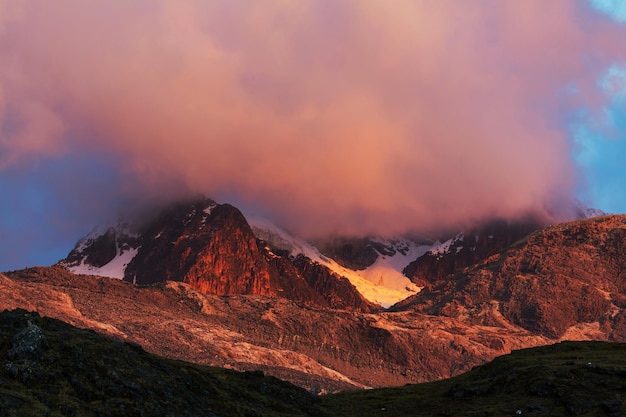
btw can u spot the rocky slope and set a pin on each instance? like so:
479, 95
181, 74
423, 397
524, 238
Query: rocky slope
473, 245
571, 274
468, 248
54, 369
318, 348
50, 368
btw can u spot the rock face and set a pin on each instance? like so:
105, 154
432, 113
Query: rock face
571, 274
206, 245
212, 248
469, 248
353, 253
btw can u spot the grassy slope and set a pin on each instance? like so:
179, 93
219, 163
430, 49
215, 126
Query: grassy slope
570, 378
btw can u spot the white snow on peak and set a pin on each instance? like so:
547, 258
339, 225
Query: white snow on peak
382, 282
207, 210
588, 212
439, 248
114, 269
281, 239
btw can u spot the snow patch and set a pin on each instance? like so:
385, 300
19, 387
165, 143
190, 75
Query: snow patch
442, 248
207, 210
382, 282
114, 269
117, 266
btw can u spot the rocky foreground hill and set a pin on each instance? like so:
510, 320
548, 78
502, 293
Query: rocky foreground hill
51, 368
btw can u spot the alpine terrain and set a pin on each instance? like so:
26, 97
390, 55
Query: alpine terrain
202, 282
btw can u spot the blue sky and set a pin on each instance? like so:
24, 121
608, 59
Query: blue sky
70, 160
48, 205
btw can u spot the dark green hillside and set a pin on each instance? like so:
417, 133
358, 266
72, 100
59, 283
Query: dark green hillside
566, 379
49, 368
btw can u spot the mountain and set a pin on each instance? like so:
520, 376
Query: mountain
55, 369
210, 285
564, 282
469, 247
219, 250
565, 278
212, 248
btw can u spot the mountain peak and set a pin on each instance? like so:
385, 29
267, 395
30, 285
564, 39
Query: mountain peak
211, 247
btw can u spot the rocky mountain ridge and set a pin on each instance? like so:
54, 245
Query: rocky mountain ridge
569, 274
209, 285
564, 282
216, 248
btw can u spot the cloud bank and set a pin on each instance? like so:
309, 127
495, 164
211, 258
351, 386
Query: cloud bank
332, 115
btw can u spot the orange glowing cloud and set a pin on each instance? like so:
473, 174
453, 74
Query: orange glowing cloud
352, 116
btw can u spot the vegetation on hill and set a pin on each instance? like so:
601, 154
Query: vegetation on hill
49, 368
565, 379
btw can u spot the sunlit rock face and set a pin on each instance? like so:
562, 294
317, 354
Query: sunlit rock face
570, 274
206, 245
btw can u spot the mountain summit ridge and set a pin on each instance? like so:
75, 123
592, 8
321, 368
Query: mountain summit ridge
211, 247
176, 244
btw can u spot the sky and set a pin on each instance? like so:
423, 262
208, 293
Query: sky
327, 116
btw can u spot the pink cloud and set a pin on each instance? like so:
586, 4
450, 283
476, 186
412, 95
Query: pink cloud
352, 116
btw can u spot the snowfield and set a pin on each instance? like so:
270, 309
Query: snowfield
382, 282
114, 269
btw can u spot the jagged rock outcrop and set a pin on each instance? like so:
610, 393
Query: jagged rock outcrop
562, 276
469, 248
209, 246
336, 290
